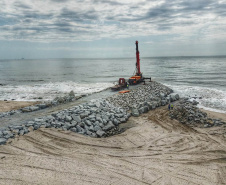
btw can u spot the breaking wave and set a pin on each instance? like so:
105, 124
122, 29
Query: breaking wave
208, 98
48, 91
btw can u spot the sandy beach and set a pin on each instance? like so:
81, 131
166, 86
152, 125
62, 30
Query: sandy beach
14, 105
156, 150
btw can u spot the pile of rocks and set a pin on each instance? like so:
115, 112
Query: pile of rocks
187, 112
97, 118
145, 98
58, 100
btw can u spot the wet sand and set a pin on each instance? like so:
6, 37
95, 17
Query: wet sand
6, 106
156, 150
215, 115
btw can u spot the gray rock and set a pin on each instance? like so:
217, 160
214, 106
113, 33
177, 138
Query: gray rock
135, 112
38, 120
6, 132
50, 117
122, 120
9, 135
105, 121
64, 128
48, 125
174, 97
141, 110
98, 118
2, 141
19, 127
68, 118
34, 108
58, 124
88, 123
30, 123
67, 125
146, 109
101, 125
154, 105
73, 123
100, 133
162, 95
149, 105
89, 133
26, 130
42, 106
115, 121
96, 128
91, 128
83, 115
93, 134
26, 109
109, 126
72, 94
36, 127
96, 123
206, 125
21, 132
163, 102
73, 129
80, 129
76, 118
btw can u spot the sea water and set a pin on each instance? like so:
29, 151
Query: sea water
202, 78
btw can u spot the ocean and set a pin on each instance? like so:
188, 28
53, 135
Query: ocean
202, 78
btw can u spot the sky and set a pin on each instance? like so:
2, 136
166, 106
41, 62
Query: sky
109, 29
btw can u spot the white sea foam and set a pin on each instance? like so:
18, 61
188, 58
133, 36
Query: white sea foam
208, 98
49, 91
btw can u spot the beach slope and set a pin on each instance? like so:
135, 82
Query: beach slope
156, 150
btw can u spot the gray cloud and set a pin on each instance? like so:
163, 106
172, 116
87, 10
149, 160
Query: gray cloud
113, 3
22, 5
91, 19
78, 16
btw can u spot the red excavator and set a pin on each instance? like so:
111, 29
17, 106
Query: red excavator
135, 79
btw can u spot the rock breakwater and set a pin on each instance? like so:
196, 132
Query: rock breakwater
98, 118
187, 112
144, 98
57, 101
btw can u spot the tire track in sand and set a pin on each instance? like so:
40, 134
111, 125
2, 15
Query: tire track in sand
157, 150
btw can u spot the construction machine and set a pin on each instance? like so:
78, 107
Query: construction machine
121, 84
136, 78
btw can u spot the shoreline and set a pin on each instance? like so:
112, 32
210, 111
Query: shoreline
214, 115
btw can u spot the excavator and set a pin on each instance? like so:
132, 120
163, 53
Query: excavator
135, 79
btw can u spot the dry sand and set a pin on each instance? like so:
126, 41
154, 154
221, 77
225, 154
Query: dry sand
13, 105
157, 150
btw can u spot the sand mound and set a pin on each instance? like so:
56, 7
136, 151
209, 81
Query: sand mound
157, 150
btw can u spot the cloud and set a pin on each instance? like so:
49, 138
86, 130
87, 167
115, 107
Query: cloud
83, 20
113, 3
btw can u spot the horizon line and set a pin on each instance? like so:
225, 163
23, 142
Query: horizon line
22, 58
